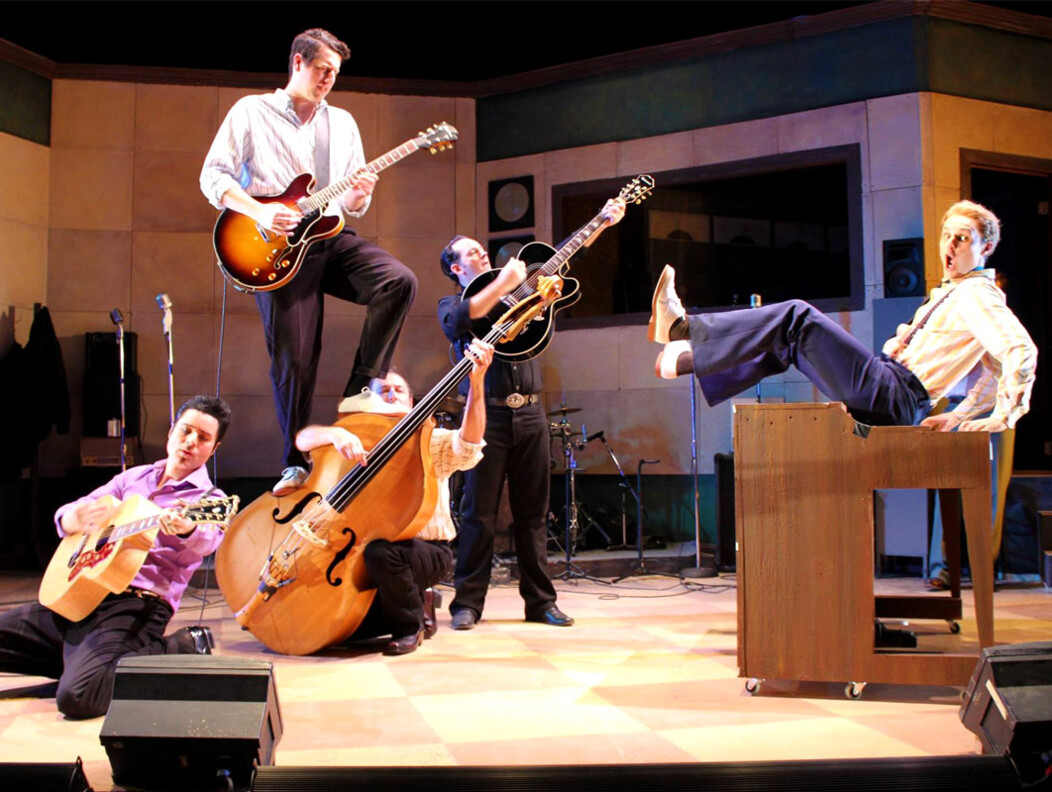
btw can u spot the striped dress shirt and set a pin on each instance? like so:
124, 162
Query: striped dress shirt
973, 328
262, 146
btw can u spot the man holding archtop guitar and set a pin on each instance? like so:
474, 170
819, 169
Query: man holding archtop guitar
516, 426
82, 654
264, 143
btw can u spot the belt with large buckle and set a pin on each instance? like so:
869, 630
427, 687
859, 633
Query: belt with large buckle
514, 400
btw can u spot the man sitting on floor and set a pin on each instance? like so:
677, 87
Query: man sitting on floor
964, 325
405, 572
83, 655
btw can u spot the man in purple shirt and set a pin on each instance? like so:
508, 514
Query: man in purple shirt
83, 655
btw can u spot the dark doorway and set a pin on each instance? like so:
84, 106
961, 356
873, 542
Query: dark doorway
1019, 191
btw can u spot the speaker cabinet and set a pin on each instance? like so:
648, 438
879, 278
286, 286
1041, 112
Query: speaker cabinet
904, 267
1008, 705
177, 721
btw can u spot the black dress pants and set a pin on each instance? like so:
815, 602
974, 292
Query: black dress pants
401, 571
349, 268
517, 448
733, 351
82, 655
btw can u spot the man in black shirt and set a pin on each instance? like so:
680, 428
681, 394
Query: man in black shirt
516, 446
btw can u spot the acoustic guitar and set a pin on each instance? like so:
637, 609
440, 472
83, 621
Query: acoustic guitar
255, 259
532, 306
88, 566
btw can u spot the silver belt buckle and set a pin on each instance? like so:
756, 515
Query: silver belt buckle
515, 400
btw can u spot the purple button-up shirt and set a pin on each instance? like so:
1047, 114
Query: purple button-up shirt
172, 560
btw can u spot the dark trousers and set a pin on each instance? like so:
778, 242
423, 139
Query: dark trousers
401, 571
516, 448
349, 268
733, 351
82, 655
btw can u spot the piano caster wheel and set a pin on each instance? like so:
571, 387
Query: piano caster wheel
752, 686
954, 626
853, 690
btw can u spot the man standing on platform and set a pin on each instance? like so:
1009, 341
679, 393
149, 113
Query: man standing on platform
406, 572
83, 655
263, 144
517, 447
964, 325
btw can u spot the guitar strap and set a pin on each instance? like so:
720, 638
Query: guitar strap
321, 152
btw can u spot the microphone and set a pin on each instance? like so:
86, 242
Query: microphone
165, 305
115, 317
596, 436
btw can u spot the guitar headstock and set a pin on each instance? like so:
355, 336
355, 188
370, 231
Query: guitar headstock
438, 138
216, 511
637, 190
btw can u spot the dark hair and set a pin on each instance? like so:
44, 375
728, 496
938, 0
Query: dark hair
209, 405
310, 41
450, 257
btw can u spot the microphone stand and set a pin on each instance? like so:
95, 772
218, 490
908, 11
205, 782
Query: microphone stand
641, 562
624, 486
118, 320
165, 305
708, 568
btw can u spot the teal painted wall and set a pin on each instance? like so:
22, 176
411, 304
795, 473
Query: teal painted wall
881, 59
25, 104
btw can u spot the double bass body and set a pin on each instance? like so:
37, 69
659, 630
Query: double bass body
291, 568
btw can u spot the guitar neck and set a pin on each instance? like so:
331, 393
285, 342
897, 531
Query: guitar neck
123, 531
321, 199
562, 255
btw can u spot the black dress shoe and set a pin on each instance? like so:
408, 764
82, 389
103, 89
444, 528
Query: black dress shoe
191, 640
432, 602
405, 644
464, 619
552, 616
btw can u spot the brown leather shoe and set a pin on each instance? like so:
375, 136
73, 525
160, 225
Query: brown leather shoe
405, 644
432, 602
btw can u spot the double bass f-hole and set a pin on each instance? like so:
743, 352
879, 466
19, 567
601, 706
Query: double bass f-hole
340, 555
297, 509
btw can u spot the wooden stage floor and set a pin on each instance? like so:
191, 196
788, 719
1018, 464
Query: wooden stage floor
647, 675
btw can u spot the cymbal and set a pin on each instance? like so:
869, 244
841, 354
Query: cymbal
564, 411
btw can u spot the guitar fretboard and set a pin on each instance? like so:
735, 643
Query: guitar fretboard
319, 200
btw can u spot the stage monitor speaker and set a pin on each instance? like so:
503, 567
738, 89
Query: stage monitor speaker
1008, 705
181, 721
904, 267
102, 383
51, 777
726, 548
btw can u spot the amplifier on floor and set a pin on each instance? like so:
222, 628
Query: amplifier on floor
181, 721
1008, 705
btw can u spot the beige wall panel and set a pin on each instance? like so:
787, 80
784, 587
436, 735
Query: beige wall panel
464, 120
956, 124
91, 189
225, 99
1023, 131
179, 264
636, 358
655, 424
580, 164
23, 273
423, 353
736, 141
417, 199
894, 129
92, 115
366, 111
193, 346
659, 153
897, 214
237, 302
466, 199
828, 126
167, 193
253, 443
246, 366
421, 255
175, 117
337, 307
582, 360
89, 270
404, 117
24, 173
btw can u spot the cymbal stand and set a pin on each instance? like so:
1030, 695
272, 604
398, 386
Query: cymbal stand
641, 562
571, 570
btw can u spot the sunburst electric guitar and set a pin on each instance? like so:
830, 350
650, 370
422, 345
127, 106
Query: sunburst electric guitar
255, 259
88, 566
531, 307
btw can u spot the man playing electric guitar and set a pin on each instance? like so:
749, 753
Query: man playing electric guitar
262, 145
516, 447
83, 655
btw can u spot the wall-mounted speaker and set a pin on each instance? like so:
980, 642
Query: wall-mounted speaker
904, 267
